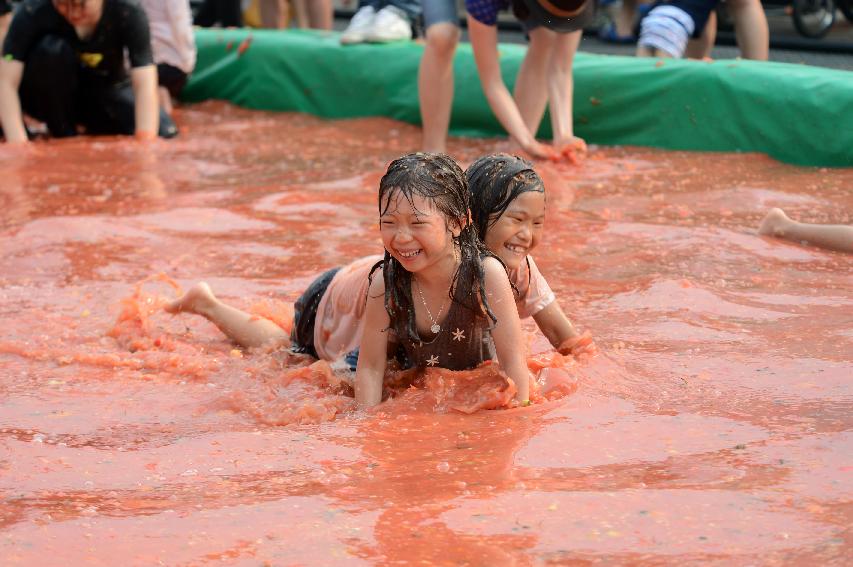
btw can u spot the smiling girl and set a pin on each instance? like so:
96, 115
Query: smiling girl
437, 292
507, 199
508, 211
442, 295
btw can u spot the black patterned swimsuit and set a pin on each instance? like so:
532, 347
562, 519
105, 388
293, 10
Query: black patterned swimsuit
464, 342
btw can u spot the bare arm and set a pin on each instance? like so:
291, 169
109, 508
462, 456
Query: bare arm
560, 332
144, 81
373, 352
555, 325
507, 332
11, 72
5, 19
484, 41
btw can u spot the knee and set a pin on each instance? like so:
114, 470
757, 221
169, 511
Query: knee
542, 41
442, 40
736, 6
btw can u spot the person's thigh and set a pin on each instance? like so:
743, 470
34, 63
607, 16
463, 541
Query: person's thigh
49, 84
111, 110
108, 109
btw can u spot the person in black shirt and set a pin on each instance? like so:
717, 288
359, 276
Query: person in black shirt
64, 64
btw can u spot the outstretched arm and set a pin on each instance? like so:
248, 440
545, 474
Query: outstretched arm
484, 41
373, 352
11, 120
555, 325
5, 19
507, 331
147, 112
560, 332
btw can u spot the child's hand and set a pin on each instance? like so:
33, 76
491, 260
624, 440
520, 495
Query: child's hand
573, 149
578, 346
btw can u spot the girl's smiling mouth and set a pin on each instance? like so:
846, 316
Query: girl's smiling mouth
408, 254
517, 249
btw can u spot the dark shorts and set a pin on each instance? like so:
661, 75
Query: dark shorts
305, 314
172, 78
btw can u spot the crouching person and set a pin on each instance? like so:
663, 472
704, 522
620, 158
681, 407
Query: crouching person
64, 64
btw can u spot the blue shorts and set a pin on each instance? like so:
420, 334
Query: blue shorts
439, 12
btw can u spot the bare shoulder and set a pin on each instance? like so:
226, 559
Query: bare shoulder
377, 283
494, 269
495, 274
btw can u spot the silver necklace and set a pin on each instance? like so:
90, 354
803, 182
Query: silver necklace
435, 328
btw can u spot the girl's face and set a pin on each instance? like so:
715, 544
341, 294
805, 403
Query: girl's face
518, 229
416, 233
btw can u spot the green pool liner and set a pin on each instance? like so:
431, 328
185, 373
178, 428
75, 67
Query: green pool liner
797, 114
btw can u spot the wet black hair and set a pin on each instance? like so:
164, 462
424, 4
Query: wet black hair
439, 179
495, 181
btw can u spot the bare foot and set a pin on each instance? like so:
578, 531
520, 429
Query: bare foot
197, 300
774, 223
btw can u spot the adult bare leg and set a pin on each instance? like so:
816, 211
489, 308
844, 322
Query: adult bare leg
435, 84
531, 84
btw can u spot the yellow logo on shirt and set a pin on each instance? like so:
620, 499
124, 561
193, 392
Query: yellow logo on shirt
91, 60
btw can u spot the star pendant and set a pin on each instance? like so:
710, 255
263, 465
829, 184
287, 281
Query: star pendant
432, 361
458, 334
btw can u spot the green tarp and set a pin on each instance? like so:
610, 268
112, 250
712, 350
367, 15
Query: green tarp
795, 113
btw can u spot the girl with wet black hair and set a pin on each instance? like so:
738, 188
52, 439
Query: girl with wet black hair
442, 295
437, 292
508, 213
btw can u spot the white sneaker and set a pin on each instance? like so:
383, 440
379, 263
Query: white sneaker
391, 24
359, 26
